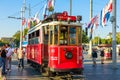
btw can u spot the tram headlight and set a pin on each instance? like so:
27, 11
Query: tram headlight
68, 55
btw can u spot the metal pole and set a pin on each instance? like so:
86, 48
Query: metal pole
70, 7
23, 17
21, 29
29, 11
90, 42
114, 35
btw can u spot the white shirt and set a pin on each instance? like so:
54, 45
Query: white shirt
9, 52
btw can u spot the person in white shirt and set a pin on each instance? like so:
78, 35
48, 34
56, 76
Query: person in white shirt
20, 55
9, 57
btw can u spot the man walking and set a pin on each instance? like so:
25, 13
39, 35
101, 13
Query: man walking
9, 57
20, 54
94, 56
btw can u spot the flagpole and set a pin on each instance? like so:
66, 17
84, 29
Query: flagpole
113, 21
90, 42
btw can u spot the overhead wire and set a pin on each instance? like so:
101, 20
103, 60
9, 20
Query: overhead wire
18, 13
43, 2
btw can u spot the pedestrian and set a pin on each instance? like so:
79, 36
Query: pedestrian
0, 65
3, 56
94, 56
20, 54
9, 57
111, 54
102, 56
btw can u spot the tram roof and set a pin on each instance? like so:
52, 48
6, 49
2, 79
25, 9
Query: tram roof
38, 26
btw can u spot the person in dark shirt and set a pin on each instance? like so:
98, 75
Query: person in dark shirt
102, 56
94, 56
3, 56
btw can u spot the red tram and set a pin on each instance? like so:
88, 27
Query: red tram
55, 44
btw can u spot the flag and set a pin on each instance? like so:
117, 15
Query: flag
23, 21
105, 13
93, 21
107, 16
29, 20
50, 5
89, 24
101, 18
96, 21
110, 6
30, 23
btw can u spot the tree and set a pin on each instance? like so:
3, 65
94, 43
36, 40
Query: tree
16, 36
84, 37
95, 40
118, 38
103, 41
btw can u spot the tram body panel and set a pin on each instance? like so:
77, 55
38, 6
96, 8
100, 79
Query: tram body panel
34, 53
60, 61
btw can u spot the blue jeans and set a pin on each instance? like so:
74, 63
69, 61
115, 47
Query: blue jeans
3, 64
21, 62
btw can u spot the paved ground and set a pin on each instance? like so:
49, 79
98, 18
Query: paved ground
100, 72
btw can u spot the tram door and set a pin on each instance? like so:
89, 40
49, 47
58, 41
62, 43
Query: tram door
45, 40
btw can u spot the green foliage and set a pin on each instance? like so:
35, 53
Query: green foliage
84, 37
96, 40
16, 36
3, 42
118, 38
103, 41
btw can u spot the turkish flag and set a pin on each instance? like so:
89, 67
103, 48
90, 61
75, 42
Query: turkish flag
23, 21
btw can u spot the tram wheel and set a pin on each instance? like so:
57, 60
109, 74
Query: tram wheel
52, 74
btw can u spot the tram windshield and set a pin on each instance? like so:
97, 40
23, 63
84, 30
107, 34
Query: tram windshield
69, 35
64, 35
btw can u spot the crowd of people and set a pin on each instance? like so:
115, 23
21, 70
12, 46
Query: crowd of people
6, 53
102, 55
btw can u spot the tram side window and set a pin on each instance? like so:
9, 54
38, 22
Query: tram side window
29, 37
56, 35
64, 35
80, 35
36, 40
72, 35
34, 37
51, 34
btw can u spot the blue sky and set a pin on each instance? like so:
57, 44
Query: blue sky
80, 7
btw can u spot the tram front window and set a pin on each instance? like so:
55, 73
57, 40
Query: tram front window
68, 35
72, 35
63, 35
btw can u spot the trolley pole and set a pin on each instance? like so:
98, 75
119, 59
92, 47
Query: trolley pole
70, 7
90, 42
113, 21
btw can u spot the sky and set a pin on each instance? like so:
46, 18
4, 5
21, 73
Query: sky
9, 26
